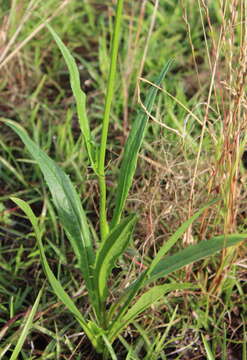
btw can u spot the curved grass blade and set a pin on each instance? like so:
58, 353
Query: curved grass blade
55, 284
132, 148
26, 328
68, 205
193, 253
145, 301
79, 95
109, 251
13, 170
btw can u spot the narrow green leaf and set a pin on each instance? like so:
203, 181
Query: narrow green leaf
144, 302
209, 353
132, 148
177, 235
193, 253
109, 251
55, 284
79, 95
26, 328
68, 206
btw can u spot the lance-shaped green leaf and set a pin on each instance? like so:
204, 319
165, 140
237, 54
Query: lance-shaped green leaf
177, 235
109, 251
79, 95
193, 253
68, 206
55, 284
144, 302
132, 148
175, 262
165, 267
134, 288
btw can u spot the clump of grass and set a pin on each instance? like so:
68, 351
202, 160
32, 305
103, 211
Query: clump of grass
224, 119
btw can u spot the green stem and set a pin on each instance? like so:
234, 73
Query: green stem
109, 95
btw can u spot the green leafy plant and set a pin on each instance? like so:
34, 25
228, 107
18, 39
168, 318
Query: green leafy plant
104, 326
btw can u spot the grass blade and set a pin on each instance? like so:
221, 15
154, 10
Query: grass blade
209, 353
55, 284
132, 148
13, 170
244, 351
79, 95
110, 250
194, 253
145, 301
68, 206
26, 328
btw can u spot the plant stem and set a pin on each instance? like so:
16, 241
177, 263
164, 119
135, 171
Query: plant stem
109, 96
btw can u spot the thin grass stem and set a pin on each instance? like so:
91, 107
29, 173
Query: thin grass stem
106, 117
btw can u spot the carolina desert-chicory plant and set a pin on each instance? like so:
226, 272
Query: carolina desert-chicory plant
103, 326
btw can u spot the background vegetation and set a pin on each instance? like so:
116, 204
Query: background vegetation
191, 153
